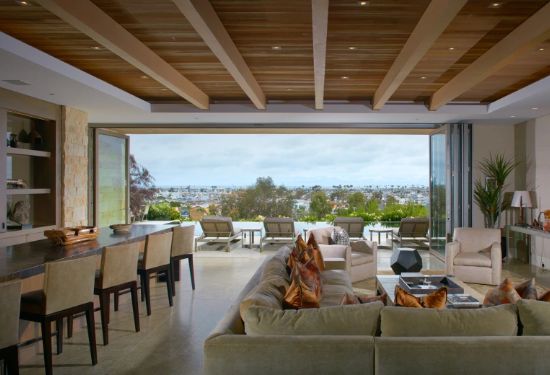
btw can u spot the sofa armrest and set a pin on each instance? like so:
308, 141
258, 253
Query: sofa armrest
496, 262
337, 251
451, 251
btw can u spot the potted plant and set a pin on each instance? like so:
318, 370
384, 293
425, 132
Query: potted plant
489, 193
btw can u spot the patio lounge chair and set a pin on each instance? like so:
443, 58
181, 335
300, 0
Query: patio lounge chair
278, 230
413, 229
217, 229
354, 226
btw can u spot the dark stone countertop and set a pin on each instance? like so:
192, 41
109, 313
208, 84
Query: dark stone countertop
25, 260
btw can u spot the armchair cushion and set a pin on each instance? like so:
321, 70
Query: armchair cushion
479, 259
358, 258
321, 235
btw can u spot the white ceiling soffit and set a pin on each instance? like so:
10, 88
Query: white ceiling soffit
108, 104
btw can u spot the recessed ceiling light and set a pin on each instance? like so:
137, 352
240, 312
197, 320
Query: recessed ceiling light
541, 49
451, 48
345, 77
97, 48
534, 108
495, 5
364, 3
163, 89
513, 116
52, 94
23, 3
144, 77
289, 89
423, 77
352, 48
276, 48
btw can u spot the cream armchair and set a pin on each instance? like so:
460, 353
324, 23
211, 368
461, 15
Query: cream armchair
359, 258
475, 255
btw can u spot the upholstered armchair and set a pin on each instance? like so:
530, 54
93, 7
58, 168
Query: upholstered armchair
360, 257
475, 255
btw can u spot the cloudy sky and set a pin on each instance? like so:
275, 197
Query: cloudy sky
291, 160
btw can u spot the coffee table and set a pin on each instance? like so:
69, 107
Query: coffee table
386, 284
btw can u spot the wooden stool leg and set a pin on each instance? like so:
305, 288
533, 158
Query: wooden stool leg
192, 271
12, 360
142, 276
116, 300
46, 327
175, 271
145, 280
133, 290
90, 322
70, 326
169, 283
59, 338
104, 307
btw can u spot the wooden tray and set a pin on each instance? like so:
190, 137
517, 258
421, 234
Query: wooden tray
73, 235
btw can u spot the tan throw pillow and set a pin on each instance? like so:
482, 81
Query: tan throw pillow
502, 294
545, 297
527, 289
313, 249
436, 299
305, 288
349, 299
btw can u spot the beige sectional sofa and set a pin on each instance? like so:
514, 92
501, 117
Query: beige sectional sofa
370, 338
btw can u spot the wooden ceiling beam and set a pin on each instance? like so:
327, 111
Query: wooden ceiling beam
92, 21
524, 38
437, 16
319, 28
202, 16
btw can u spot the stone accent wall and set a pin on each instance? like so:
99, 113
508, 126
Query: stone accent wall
74, 167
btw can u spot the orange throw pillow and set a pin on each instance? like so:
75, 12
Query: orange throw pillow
405, 299
504, 293
545, 297
350, 299
305, 288
299, 253
313, 249
437, 299
368, 299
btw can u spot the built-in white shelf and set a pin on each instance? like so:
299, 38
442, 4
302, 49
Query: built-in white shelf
27, 152
27, 191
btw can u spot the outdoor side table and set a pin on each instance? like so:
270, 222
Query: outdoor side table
405, 259
380, 231
251, 232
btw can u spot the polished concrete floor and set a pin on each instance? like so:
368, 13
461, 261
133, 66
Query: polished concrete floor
171, 339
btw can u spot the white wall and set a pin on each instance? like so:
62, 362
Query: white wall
490, 138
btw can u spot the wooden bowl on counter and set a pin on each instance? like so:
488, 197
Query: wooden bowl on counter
121, 228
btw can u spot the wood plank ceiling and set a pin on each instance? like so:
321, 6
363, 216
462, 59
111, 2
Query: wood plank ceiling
274, 37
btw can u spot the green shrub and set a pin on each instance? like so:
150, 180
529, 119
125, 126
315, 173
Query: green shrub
163, 211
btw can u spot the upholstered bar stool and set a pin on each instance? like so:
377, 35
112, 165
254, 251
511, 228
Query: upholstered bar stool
155, 260
68, 290
117, 272
182, 248
10, 300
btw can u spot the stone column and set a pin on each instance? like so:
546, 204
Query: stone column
74, 167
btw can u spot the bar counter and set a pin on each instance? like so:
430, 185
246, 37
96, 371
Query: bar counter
26, 260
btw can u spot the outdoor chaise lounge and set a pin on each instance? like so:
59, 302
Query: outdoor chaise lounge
278, 230
217, 229
412, 229
354, 226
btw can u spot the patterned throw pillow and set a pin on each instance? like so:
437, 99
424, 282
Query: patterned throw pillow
350, 299
436, 299
340, 236
305, 288
368, 299
545, 297
299, 253
527, 289
313, 250
502, 294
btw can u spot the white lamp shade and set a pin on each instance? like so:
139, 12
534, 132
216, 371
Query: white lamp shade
521, 199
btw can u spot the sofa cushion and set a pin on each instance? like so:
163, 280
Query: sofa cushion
351, 320
305, 288
360, 258
265, 294
332, 295
545, 297
502, 294
535, 317
490, 321
275, 272
479, 259
335, 277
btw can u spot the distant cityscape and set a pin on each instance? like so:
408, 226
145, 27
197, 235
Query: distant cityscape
188, 197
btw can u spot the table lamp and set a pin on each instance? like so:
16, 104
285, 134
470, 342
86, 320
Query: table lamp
521, 199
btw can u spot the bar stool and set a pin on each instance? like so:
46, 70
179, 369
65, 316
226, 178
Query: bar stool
10, 296
117, 272
68, 290
182, 248
155, 260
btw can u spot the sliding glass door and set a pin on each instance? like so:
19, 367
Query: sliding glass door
111, 198
438, 191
